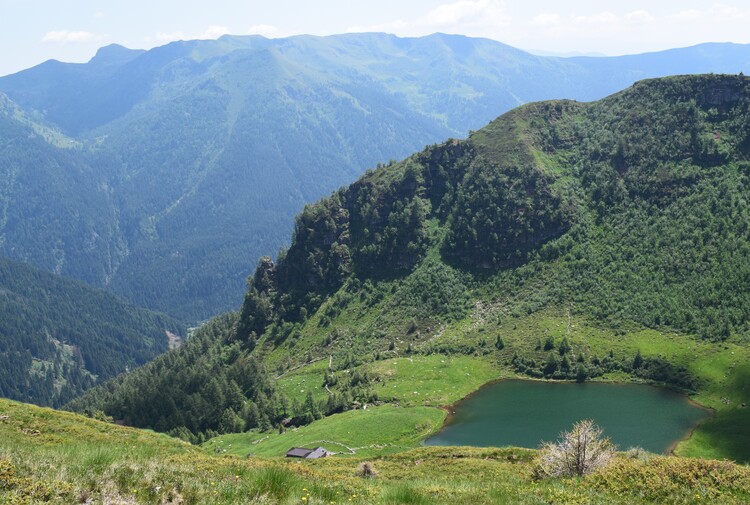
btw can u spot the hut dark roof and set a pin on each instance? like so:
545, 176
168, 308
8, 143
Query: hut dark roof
298, 452
301, 452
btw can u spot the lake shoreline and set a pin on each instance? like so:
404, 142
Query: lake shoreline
452, 408
689, 435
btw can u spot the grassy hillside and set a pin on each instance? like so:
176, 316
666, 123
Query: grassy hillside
195, 156
376, 431
59, 337
55, 457
564, 241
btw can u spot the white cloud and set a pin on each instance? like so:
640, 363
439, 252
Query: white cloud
546, 19
724, 11
721, 16
65, 36
631, 27
472, 17
265, 30
639, 16
214, 32
467, 11
398, 26
99, 15
687, 15
714, 14
596, 19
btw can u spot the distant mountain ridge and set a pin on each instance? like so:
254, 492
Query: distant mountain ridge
198, 153
115, 68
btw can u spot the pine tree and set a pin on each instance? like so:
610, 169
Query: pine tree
499, 344
565, 363
551, 367
637, 360
581, 374
549, 344
564, 346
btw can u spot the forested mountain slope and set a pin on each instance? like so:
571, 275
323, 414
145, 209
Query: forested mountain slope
632, 207
56, 211
604, 229
59, 337
197, 154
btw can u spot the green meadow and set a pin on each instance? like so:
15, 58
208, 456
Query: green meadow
363, 433
438, 380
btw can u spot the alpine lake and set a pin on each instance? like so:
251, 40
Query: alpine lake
527, 413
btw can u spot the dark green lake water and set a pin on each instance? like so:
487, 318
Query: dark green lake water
525, 413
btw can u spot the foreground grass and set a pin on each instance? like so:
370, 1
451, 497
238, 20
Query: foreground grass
54, 457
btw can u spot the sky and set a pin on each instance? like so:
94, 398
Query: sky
32, 31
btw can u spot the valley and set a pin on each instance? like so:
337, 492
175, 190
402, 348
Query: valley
588, 257
382, 313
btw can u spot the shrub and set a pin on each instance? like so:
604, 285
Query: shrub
366, 471
581, 451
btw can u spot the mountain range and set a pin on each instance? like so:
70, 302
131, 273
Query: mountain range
163, 175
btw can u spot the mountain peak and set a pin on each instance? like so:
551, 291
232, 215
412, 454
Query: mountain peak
115, 54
